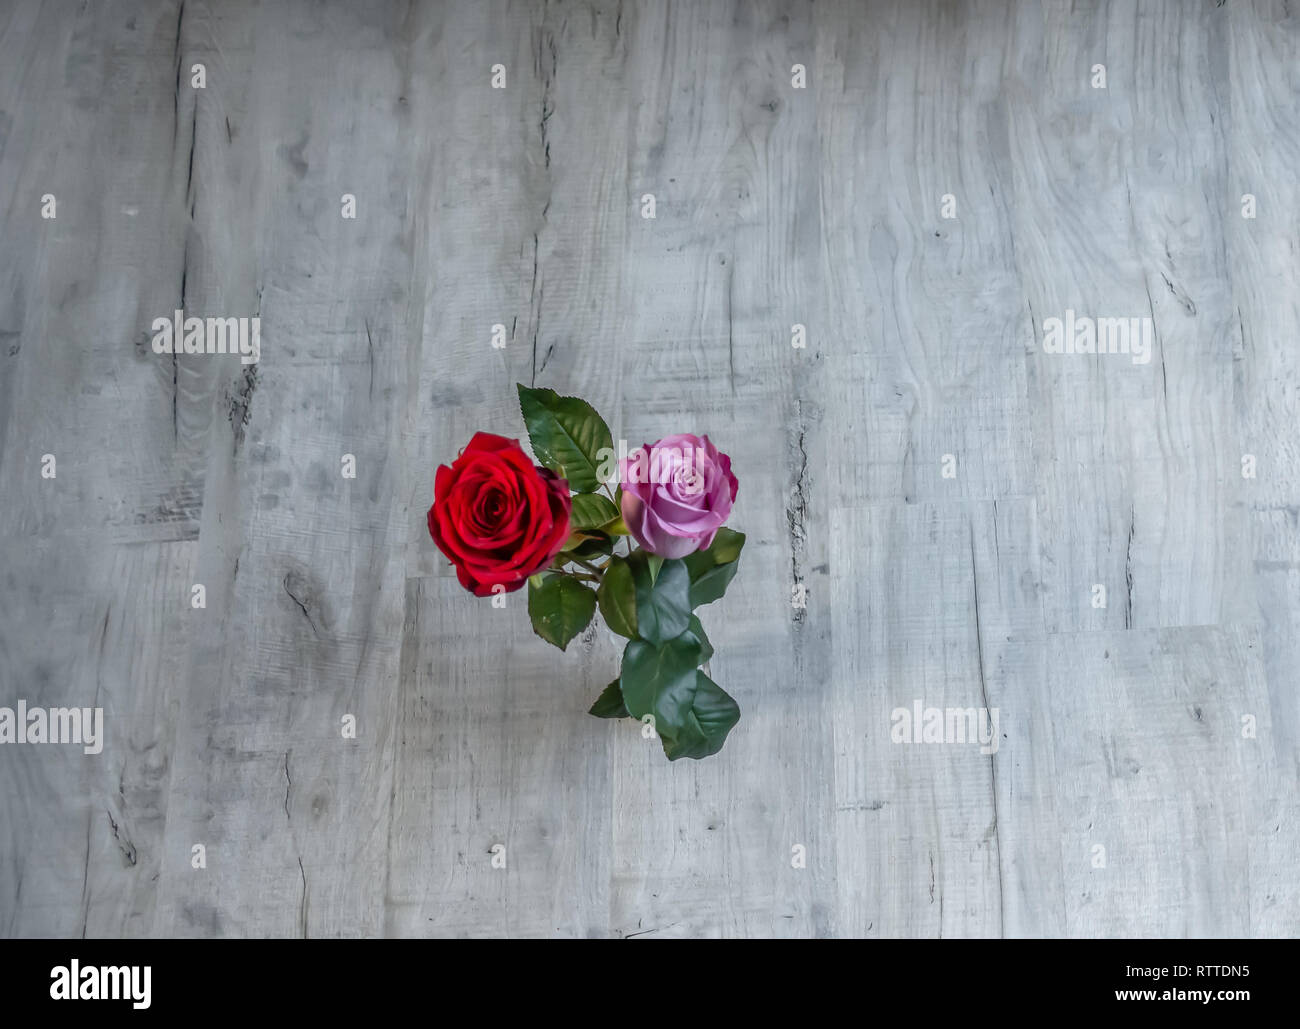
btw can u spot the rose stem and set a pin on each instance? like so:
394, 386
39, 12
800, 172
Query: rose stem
588, 566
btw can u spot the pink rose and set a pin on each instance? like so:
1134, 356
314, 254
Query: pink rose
676, 494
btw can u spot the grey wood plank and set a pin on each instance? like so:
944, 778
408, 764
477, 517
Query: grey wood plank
501, 790
1257, 59
942, 835
304, 566
1150, 749
522, 737
927, 313
84, 832
713, 284
88, 622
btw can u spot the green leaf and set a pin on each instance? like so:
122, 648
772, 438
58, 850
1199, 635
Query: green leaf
574, 540
567, 435
610, 703
696, 629
663, 608
592, 511
692, 714
587, 544
713, 714
594, 546
617, 597
560, 608
713, 569
658, 679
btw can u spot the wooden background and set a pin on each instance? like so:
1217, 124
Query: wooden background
1121, 727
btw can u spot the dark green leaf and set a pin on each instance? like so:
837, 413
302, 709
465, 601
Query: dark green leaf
567, 435
560, 608
597, 546
663, 607
696, 629
617, 596
692, 714
592, 511
591, 546
610, 703
659, 679
713, 569
588, 544
713, 714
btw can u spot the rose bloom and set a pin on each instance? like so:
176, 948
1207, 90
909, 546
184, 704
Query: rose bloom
676, 494
498, 517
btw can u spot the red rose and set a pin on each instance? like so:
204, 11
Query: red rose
498, 517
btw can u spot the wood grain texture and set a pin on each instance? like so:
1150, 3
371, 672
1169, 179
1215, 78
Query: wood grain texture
1126, 795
